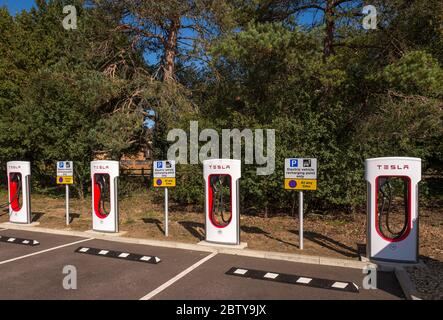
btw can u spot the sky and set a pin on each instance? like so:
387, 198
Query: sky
16, 6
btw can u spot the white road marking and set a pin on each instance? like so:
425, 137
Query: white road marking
43, 251
304, 280
240, 271
154, 292
1, 229
145, 258
271, 275
339, 285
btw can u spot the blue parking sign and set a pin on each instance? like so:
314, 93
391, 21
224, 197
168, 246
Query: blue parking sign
159, 165
293, 163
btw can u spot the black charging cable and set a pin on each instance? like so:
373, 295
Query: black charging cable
387, 196
218, 186
101, 181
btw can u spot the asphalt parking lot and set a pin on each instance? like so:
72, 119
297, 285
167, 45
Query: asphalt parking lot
110, 269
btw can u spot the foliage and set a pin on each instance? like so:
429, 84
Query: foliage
329, 88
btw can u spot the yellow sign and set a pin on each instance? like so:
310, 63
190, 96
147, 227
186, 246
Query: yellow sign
65, 180
300, 184
164, 182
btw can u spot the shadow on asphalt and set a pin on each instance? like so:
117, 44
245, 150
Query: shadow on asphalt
387, 282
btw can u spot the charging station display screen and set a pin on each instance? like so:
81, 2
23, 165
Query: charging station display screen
220, 198
15, 187
393, 207
102, 194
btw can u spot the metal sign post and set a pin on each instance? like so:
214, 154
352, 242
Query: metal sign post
166, 212
164, 177
301, 174
300, 217
65, 175
67, 204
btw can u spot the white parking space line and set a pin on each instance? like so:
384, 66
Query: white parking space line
154, 292
43, 251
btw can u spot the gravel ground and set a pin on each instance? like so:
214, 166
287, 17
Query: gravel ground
428, 279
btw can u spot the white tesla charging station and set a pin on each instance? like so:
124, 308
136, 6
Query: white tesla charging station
393, 198
19, 191
222, 217
104, 177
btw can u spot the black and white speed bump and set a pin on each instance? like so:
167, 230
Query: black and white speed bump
26, 242
119, 255
294, 279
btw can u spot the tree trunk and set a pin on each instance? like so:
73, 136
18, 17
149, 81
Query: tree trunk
81, 192
171, 50
329, 32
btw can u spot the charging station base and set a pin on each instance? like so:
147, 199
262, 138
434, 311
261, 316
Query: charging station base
106, 234
242, 245
32, 224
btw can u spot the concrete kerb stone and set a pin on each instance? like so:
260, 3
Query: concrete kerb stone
29, 225
406, 284
293, 257
98, 233
241, 246
391, 266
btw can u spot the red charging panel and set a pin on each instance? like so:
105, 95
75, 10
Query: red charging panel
210, 200
409, 223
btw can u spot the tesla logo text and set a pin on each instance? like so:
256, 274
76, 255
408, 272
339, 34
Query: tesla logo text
101, 167
393, 167
219, 167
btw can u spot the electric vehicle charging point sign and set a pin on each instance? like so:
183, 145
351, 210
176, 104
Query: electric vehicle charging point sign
301, 174
65, 172
164, 174
164, 177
